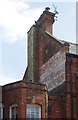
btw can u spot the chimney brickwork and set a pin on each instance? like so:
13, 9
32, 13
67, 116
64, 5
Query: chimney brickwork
37, 41
46, 20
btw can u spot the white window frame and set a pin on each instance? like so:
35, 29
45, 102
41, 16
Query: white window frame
1, 111
31, 111
13, 106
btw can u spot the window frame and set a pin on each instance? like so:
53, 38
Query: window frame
33, 113
13, 106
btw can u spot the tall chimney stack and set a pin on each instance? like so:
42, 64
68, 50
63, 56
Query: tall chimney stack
46, 20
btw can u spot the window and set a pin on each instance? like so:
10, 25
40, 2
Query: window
13, 111
33, 111
1, 111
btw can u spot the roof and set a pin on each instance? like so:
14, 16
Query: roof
58, 91
73, 47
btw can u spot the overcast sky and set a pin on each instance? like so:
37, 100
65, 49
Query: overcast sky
16, 18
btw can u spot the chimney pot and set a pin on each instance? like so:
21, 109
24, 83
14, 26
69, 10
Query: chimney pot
47, 8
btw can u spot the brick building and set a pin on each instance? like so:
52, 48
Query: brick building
49, 88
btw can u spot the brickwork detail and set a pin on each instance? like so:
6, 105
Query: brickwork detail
22, 94
72, 85
51, 78
53, 71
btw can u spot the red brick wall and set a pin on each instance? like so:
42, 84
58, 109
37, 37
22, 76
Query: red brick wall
47, 47
67, 106
22, 94
46, 21
53, 71
57, 106
72, 85
41, 47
